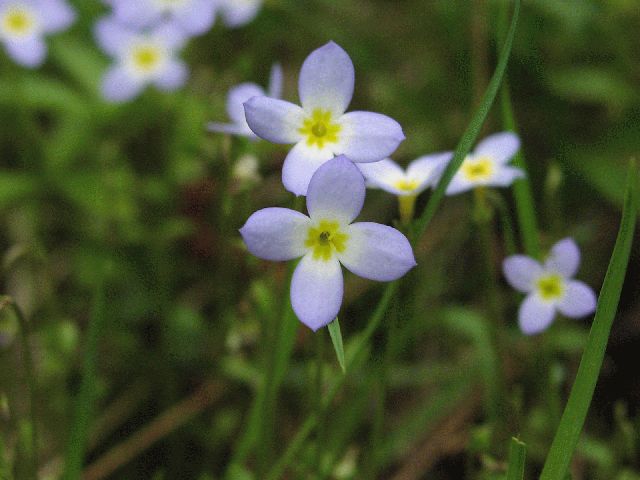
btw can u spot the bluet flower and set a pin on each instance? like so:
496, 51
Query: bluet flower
320, 129
141, 58
238, 95
25, 23
236, 13
487, 165
327, 238
420, 174
549, 287
193, 16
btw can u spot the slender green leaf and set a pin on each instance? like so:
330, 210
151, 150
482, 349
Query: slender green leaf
471, 133
568, 433
86, 397
336, 339
517, 456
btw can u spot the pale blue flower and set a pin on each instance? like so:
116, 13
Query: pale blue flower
549, 287
327, 238
25, 23
421, 173
140, 59
320, 129
238, 95
236, 13
193, 16
487, 165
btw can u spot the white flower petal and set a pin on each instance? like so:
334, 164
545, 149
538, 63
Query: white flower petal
326, 80
564, 258
231, 129
336, 191
459, 184
501, 147
316, 291
521, 272
535, 315
29, 52
236, 13
276, 233
428, 169
377, 252
579, 300
197, 16
300, 165
58, 15
119, 86
274, 120
112, 37
368, 136
173, 76
384, 174
504, 176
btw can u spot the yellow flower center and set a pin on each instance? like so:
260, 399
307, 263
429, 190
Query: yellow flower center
319, 129
406, 185
146, 58
18, 21
324, 239
550, 287
477, 170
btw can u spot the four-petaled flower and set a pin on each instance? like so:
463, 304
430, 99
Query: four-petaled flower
141, 58
321, 129
193, 16
24, 23
327, 238
236, 13
487, 165
549, 287
240, 94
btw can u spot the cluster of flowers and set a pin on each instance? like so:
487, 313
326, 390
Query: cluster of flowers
144, 39
337, 154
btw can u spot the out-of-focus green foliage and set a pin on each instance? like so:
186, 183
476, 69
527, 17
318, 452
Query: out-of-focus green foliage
192, 320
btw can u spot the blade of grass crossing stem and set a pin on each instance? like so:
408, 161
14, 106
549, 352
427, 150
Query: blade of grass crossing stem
420, 225
336, 339
517, 455
86, 397
572, 421
471, 133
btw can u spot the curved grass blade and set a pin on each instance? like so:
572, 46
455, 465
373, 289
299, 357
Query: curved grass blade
471, 133
336, 339
517, 455
574, 415
86, 398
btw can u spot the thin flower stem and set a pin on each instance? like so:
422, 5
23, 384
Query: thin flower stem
8, 302
318, 405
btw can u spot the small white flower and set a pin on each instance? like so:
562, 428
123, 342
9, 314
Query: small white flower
321, 129
325, 239
141, 59
549, 287
487, 165
236, 98
24, 23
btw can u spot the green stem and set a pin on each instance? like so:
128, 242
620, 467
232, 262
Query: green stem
30, 378
517, 456
568, 433
319, 408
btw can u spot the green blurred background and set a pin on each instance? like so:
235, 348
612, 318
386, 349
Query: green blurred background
141, 199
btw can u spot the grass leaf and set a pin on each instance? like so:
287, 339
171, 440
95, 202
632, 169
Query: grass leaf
517, 455
336, 339
568, 433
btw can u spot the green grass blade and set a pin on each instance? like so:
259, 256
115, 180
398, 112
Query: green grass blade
86, 397
574, 415
336, 339
471, 133
517, 455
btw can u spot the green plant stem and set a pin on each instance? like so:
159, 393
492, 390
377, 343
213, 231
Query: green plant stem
318, 405
25, 333
471, 133
517, 456
572, 421
86, 398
